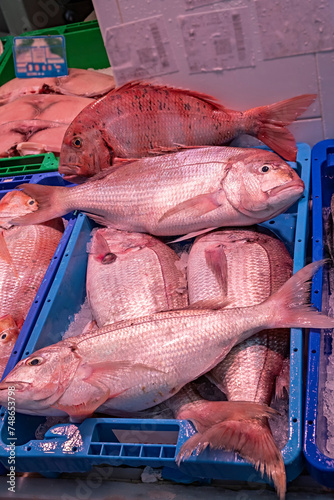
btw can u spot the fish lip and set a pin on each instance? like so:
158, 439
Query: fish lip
19, 386
70, 169
291, 184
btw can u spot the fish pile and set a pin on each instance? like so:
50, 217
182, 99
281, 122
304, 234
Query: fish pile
35, 113
161, 320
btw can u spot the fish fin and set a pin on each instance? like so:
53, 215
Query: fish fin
192, 235
79, 412
46, 198
289, 307
99, 219
250, 437
195, 207
99, 246
206, 98
91, 325
273, 119
216, 260
283, 380
110, 371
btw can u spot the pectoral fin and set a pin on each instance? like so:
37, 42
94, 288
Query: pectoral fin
195, 207
216, 260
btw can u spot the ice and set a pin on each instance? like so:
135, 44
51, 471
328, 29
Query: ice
80, 322
279, 424
49, 422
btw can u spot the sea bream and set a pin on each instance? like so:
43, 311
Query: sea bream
25, 254
247, 266
176, 194
131, 275
140, 118
101, 370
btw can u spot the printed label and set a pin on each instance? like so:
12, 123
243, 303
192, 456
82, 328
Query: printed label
39, 56
293, 27
140, 49
217, 40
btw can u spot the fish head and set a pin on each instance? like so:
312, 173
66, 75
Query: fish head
84, 152
15, 204
9, 331
38, 381
261, 185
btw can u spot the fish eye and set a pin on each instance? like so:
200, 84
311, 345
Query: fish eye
109, 258
3, 336
31, 202
265, 168
77, 142
35, 361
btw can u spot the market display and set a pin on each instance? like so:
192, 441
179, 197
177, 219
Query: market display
158, 169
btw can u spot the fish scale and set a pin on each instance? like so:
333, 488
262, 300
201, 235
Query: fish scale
141, 278
178, 193
139, 119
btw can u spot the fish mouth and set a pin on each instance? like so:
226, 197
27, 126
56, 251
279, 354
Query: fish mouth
70, 169
19, 386
297, 186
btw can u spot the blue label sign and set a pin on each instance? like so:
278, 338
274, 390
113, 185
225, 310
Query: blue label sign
39, 56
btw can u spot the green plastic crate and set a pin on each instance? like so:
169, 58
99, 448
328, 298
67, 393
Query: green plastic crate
84, 49
32, 164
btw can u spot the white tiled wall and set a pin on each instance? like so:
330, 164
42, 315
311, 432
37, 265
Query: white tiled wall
244, 52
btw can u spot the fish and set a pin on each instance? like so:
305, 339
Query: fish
9, 332
101, 371
247, 266
131, 275
25, 254
176, 194
139, 118
78, 82
39, 119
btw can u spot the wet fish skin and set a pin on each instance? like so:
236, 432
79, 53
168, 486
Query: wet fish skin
131, 275
9, 332
101, 370
176, 194
25, 254
247, 266
139, 118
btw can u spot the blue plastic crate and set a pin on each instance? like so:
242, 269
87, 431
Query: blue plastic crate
114, 441
6, 185
319, 464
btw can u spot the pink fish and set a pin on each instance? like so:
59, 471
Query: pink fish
141, 118
101, 370
175, 194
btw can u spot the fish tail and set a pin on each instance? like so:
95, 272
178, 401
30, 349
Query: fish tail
49, 201
240, 427
268, 123
289, 307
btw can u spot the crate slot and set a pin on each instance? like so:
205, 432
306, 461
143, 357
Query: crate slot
113, 450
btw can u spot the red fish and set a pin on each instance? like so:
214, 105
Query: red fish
140, 118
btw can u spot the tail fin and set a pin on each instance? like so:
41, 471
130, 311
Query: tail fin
272, 121
48, 202
241, 429
289, 307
